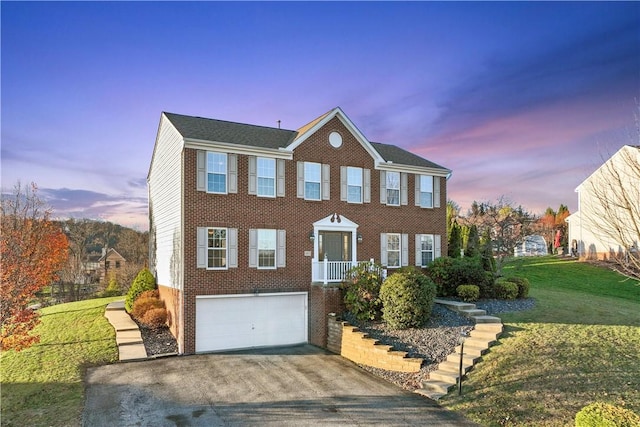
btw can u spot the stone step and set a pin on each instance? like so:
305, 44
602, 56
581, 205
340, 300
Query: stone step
485, 327
487, 319
454, 366
431, 394
471, 350
489, 336
467, 359
455, 305
437, 386
444, 376
473, 312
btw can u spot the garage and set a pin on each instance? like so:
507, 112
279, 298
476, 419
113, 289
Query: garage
230, 322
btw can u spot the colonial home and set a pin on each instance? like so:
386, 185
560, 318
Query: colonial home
606, 224
253, 227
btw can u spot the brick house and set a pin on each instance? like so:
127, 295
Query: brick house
252, 228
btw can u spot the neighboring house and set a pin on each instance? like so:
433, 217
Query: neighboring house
608, 216
111, 262
533, 245
250, 225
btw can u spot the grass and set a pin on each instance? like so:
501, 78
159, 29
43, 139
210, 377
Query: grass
43, 385
580, 344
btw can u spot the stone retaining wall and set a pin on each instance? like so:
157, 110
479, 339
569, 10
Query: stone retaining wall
349, 342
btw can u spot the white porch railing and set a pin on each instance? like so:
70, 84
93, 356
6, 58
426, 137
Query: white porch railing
330, 271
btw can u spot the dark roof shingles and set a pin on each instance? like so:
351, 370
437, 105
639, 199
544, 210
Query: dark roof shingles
400, 156
230, 132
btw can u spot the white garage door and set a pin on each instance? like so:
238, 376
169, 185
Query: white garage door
228, 322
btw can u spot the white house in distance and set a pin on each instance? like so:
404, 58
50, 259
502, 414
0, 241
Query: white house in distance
606, 224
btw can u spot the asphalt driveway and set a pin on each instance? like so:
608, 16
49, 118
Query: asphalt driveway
293, 386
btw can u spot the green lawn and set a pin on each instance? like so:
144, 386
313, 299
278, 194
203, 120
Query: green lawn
580, 344
43, 385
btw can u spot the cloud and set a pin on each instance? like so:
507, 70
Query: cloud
77, 203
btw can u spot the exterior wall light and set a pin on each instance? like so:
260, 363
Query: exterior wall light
359, 238
312, 236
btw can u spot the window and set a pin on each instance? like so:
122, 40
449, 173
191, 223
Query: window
393, 250
267, 241
393, 188
107, 264
425, 249
312, 180
426, 191
266, 177
216, 173
354, 185
117, 264
217, 248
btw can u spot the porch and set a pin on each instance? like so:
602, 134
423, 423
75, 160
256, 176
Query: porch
326, 271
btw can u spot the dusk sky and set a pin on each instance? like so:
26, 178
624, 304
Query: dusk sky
518, 99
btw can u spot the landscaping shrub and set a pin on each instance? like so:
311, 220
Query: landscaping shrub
523, 285
150, 294
439, 271
503, 289
468, 293
144, 281
604, 415
449, 273
362, 290
407, 298
155, 318
142, 305
113, 289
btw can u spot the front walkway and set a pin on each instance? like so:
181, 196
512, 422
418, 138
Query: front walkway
128, 338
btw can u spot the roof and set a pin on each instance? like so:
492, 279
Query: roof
230, 132
395, 154
200, 128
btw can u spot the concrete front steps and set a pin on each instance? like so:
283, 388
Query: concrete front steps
484, 334
128, 337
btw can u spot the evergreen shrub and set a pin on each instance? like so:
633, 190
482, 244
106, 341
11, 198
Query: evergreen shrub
468, 293
144, 281
523, 285
362, 290
407, 298
504, 289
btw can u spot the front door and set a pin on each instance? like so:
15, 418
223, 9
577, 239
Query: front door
335, 245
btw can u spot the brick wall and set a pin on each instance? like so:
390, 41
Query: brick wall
322, 301
296, 216
356, 346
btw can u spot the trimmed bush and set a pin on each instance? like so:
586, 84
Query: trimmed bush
604, 415
155, 318
144, 281
468, 293
407, 298
449, 273
523, 285
142, 305
503, 289
150, 294
362, 290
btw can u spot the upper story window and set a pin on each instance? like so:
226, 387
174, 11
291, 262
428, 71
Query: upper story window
266, 177
426, 191
312, 180
217, 248
216, 173
393, 188
117, 264
267, 241
354, 185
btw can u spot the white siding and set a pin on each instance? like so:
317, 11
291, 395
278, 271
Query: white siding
165, 204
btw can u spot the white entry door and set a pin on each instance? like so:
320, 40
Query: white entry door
229, 322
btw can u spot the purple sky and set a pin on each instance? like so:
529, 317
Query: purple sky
518, 99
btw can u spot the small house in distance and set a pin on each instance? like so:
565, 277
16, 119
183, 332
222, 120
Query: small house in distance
252, 227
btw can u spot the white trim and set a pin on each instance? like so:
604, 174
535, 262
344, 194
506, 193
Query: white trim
266, 294
202, 144
345, 225
397, 167
351, 127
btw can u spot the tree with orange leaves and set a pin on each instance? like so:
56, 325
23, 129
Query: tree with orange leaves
32, 250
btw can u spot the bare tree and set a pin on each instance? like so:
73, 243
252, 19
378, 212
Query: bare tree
610, 207
506, 224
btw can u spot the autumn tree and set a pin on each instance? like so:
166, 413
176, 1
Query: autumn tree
505, 224
32, 250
